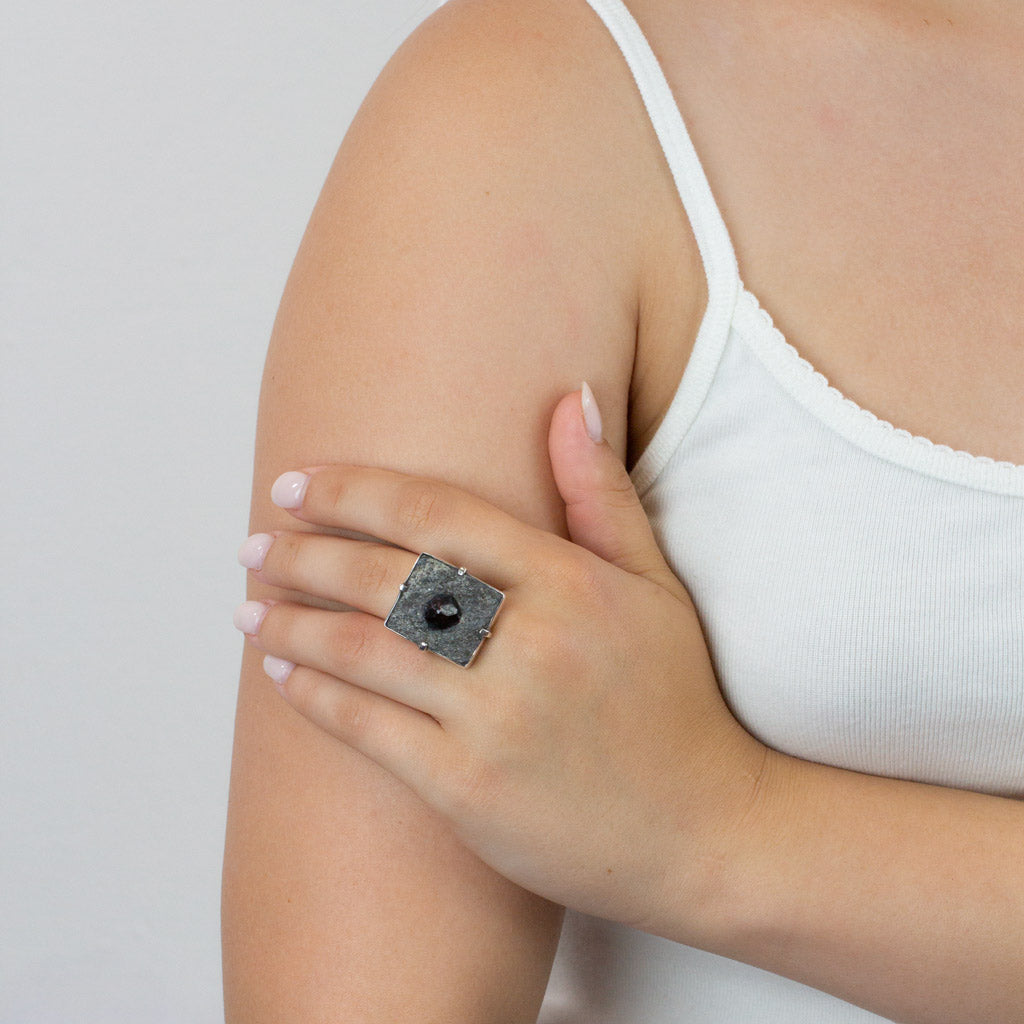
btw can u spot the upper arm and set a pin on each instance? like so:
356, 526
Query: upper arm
469, 261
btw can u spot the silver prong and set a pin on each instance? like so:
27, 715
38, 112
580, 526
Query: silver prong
462, 570
423, 645
402, 588
485, 632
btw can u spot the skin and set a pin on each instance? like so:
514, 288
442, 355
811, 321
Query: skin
340, 895
863, 157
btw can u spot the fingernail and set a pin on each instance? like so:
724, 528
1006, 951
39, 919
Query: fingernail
277, 668
591, 414
249, 616
254, 550
289, 489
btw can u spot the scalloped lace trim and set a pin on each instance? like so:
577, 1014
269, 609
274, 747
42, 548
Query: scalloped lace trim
815, 379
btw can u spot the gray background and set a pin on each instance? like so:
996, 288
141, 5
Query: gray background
158, 163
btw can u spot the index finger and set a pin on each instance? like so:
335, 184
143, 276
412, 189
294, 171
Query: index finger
416, 513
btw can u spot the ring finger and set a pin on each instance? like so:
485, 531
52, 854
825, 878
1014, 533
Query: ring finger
353, 647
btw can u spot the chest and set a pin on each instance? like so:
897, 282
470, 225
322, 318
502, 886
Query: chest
861, 601
868, 172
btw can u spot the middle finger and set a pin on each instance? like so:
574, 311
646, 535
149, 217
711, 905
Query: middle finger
361, 574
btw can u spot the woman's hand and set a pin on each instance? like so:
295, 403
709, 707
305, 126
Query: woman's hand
586, 753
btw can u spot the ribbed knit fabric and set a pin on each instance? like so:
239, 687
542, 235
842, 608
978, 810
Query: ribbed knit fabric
860, 589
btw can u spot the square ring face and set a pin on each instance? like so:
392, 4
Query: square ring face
445, 610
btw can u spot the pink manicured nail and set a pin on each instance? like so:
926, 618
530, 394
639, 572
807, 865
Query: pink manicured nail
249, 616
591, 414
254, 550
277, 668
289, 489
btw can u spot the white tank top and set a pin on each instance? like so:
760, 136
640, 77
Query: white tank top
861, 590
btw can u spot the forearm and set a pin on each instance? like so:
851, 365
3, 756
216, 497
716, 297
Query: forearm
903, 898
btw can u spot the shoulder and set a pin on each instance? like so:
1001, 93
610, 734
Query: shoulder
531, 92
538, 48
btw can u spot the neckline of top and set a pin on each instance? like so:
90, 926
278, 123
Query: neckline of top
858, 425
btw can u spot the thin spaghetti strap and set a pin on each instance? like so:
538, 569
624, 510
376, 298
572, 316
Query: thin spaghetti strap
708, 227
709, 230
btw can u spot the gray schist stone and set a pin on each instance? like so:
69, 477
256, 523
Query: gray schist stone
444, 609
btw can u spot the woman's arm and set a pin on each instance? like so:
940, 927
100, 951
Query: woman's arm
904, 898
470, 259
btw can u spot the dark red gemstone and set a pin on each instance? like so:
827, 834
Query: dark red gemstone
442, 612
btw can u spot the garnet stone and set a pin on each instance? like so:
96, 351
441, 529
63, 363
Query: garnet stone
442, 612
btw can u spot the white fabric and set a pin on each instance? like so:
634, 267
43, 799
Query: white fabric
860, 589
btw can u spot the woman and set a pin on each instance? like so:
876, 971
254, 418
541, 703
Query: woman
834, 834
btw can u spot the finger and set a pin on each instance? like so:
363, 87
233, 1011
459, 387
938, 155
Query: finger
417, 514
359, 649
360, 574
401, 740
602, 508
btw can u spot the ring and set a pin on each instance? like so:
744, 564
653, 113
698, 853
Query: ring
442, 608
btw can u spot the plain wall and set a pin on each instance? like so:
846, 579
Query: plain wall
158, 163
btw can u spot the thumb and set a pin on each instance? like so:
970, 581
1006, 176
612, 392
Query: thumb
602, 508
